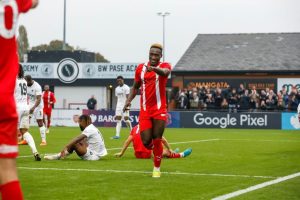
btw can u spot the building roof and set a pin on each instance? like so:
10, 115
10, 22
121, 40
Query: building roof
242, 52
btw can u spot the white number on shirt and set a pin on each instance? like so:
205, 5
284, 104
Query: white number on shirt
4, 32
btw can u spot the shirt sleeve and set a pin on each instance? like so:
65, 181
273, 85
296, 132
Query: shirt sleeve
298, 109
24, 5
127, 90
87, 132
38, 90
53, 97
137, 77
166, 65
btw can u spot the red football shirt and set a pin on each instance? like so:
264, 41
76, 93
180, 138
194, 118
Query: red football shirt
138, 145
153, 87
9, 12
48, 97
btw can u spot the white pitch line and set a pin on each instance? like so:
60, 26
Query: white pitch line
146, 172
256, 187
118, 148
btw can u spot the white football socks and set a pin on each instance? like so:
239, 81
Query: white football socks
118, 128
128, 123
29, 139
43, 133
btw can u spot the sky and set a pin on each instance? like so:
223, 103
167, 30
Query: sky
123, 30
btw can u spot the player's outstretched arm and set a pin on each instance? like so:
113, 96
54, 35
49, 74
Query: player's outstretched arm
72, 143
133, 92
125, 146
161, 71
166, 143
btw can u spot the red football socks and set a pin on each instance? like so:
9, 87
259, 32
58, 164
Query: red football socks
11, 191
174, 155
157, 152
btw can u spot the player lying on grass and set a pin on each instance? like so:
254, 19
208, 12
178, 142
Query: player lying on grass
89, 145
140, 151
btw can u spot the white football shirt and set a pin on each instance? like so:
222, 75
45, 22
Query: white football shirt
21, 92
298, 109
121, 93
33, 91
95, 140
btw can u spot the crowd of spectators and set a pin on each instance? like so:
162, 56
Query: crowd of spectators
235, 99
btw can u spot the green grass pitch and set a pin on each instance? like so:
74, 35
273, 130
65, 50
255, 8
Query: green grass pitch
222, 161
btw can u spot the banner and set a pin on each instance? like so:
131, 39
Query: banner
260, 84
107, 118
68, 70
62, 117
288, 83
290, 121
230, 120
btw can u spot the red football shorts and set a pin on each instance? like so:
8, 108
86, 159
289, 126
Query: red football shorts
47, 112
143, 155
146, 117
8, 127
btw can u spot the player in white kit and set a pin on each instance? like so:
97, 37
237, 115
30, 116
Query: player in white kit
89, 145
34, 92
23, 112
122, 93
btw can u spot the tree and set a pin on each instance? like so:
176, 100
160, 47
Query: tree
54, 45
57, 45
100, 58
23, 44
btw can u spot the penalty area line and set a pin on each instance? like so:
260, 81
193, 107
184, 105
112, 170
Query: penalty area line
145, 172
256, 187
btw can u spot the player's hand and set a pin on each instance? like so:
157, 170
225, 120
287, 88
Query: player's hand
150, 68
31, 110
126, 106
118, 154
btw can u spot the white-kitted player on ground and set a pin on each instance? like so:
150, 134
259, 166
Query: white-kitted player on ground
89, 145
122, 93
34, 92
23, 112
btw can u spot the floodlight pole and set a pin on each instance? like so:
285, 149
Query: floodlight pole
64, 29
163, 15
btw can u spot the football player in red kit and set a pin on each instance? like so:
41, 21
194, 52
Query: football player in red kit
49, 100
9, 65
142, 153
151, 78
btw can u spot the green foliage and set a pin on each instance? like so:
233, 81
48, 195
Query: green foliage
54, 45
22, 40
235, 152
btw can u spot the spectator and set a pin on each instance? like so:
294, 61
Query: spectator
194, 101
92, 102
224, 104
182, 101
293, 103
245, 100
270, 102
241, 90
218, 98
232, 101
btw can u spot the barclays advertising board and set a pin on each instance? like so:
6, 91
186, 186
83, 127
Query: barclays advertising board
290, 121
107, 118
231, 120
